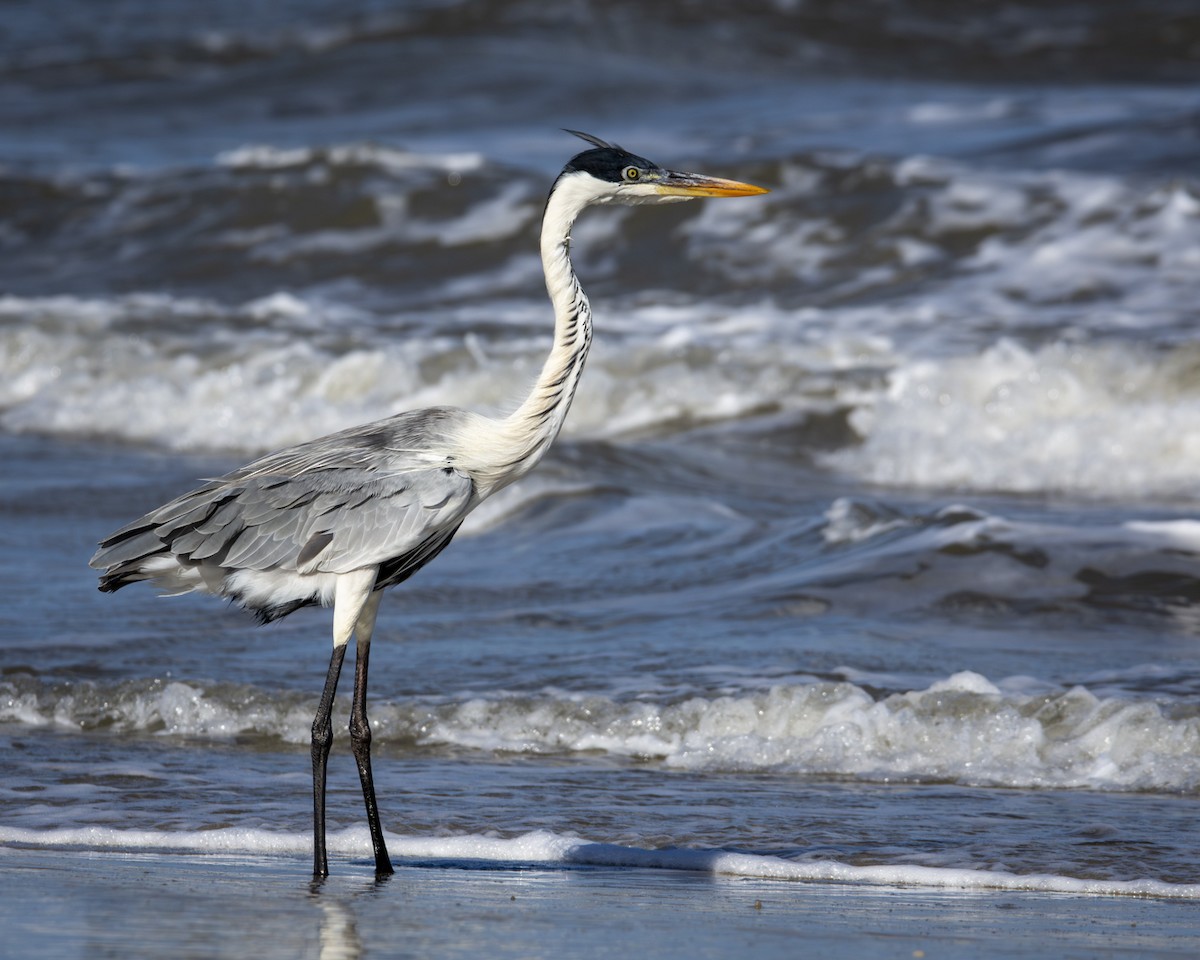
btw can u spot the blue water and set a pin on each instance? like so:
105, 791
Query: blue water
868, 552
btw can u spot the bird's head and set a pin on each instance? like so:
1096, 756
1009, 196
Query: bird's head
610, 174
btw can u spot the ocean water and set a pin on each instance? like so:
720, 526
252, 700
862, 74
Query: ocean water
869, 553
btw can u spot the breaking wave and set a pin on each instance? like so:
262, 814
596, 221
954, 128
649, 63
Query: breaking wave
963, 729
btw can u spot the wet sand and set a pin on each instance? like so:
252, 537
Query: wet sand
86, 904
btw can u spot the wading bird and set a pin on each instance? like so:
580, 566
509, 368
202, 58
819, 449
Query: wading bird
338, 519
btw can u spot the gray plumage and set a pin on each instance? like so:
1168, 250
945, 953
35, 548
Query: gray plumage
384, 494
336, 520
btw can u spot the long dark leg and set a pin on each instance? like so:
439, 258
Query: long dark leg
360, 743
322, 740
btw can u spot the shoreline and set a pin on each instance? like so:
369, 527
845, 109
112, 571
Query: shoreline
70, 903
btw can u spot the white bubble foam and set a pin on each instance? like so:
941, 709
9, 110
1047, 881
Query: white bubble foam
548, 849
196, 375
963, 728
1105, 420
268, 157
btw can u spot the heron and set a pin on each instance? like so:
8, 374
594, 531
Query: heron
336, 520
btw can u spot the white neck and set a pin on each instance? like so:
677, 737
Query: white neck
519, 441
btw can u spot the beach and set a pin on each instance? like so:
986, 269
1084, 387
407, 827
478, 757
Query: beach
82, 904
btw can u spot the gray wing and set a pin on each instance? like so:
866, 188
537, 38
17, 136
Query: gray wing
334, 521
355, 499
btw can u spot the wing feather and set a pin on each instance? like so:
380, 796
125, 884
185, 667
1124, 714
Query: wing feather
383, 494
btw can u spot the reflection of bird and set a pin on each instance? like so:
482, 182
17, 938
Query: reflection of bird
340, 939
338, 519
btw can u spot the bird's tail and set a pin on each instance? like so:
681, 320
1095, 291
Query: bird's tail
135, 553
147, 550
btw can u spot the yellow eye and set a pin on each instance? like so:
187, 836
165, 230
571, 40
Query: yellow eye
632, 173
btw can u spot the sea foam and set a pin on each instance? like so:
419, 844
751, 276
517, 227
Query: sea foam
548, 850
963, 728
1107, 420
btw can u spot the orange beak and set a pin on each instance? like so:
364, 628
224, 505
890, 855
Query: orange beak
697, 185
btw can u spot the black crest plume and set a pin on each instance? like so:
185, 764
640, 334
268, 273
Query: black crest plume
594, 141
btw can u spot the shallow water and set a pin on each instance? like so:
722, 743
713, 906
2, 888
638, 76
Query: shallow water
227, 905
869, 550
